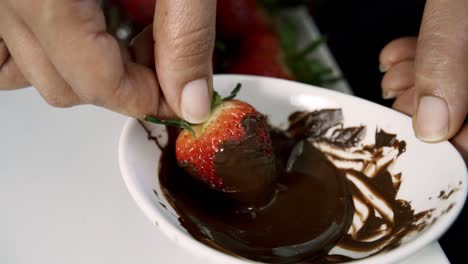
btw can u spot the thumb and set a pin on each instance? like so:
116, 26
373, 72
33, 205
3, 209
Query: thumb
184, 33
441, 80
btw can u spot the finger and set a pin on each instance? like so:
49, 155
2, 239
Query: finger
404, 102
31, 59
441, 65
73, 35
396, 51
397, 79
184, 42
4, 53
142, 47
10, 75
142, 50
460, 141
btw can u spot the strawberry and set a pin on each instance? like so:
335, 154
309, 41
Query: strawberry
254, 64
234, 137
260, 54
236, 18
197, 153
264, 42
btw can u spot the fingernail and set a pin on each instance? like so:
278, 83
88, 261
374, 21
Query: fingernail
383, 68
389, 95
195, 101
432, 119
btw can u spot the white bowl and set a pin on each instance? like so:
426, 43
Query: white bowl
426, 169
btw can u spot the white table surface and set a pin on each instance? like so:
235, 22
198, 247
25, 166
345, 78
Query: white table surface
62, 199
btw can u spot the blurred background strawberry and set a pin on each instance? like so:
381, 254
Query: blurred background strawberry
237, 18
260, 54
249, 38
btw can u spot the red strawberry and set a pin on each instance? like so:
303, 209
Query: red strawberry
236, 18
260, 65
231, 151
141, 12
226, 124
260, 54
265, 42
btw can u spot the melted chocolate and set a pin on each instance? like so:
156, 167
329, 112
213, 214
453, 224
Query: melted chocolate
325, 192
293, 227
313, 124
252, 182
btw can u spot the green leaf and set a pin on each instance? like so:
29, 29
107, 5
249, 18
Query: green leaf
308, 49
174, 122
233, 93
304, 69
287, 34
217, 100
312, 72
331, 80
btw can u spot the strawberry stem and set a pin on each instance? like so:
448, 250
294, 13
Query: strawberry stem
175, 122
217, 100
233, 93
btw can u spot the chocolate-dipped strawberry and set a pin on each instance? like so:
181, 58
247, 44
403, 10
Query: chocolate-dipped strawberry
234, 138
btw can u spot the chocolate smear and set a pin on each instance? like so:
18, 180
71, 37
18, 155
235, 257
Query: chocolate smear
327, 192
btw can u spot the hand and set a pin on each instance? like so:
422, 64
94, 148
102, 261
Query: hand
428, 76
61, 47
